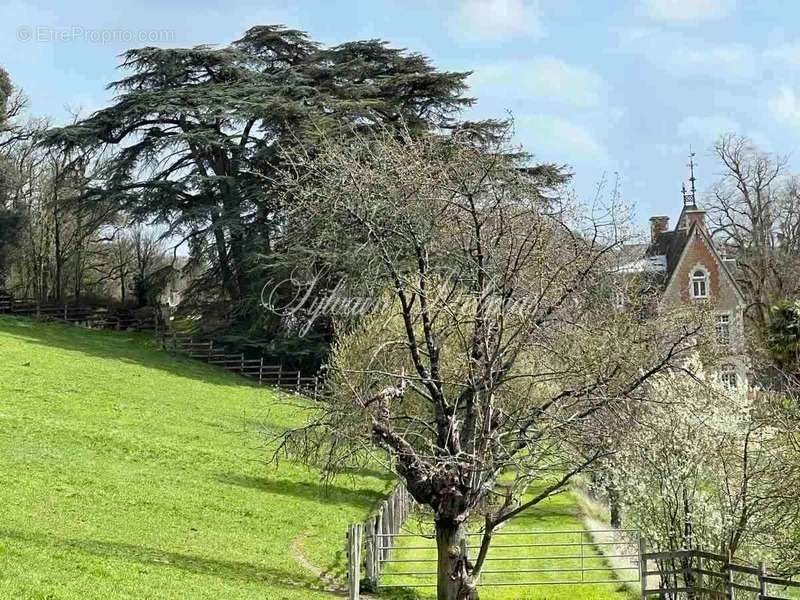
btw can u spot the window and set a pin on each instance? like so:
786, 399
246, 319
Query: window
723, 330
728, 377
699, 284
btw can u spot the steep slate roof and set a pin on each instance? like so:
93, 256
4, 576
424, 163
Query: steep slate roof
669, 244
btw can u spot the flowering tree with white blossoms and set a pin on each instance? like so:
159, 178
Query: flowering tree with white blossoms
703, 467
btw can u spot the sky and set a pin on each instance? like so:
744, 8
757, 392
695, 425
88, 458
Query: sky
619, 90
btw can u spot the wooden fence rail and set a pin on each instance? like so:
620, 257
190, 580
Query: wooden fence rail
107, 318
699, 574
103, 317
254, 368
370, 543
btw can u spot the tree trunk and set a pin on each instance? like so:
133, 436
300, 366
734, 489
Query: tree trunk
614, 505
454, 580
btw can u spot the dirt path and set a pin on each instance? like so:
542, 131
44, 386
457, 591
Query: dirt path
329, 582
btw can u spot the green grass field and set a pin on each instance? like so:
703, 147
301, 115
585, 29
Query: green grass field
557, 514
130, 473
127, 472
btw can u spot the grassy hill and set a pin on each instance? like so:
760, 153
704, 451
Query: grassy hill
129, 473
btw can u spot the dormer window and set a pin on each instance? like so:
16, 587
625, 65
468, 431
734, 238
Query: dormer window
699, 284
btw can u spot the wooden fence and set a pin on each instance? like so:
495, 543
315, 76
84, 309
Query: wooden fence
94, 317
370, 543
698, 574
253, 368
109, 318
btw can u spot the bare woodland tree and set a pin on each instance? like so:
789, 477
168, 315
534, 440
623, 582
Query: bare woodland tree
56, 243
494, 356
755, 212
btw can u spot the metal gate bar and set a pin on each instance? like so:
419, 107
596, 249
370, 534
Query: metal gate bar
587, 561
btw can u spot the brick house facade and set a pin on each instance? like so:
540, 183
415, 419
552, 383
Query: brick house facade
691, 269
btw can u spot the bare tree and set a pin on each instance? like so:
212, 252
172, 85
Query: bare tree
493, 355
44, 187
755, 212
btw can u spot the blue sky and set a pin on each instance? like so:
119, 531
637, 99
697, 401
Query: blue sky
609, 87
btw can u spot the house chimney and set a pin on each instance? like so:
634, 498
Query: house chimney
658, 225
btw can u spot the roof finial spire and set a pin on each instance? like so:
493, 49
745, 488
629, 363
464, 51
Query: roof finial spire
690, 197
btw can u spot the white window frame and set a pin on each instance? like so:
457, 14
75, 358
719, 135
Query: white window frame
695, 281
728, 376
724, 338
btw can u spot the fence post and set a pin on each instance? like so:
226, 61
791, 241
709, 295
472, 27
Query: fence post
643, 565
261, 371
730, 592
385, 539
378, 544
241, 366
354, 562
369, 538
762, 583
65, 312
359, 529
297, 387
210, 349
390, 522
280, 370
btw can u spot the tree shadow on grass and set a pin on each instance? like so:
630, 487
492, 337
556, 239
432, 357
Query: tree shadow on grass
318, 492
130, 347
223, 569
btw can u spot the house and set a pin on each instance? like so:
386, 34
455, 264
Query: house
690, 268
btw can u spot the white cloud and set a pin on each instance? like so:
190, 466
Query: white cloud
706, 128
544, 77
732, 62
497, 19
687, 11
785, 106
553, 138
689, 57
788, 54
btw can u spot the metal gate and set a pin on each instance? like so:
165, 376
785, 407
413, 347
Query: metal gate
516, 558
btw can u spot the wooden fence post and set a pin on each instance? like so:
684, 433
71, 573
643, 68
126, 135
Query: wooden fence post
241, 367
642, 565
385, 531
353, 561
730, 592
378, 544
359, 530
369, 538
280, 370
261, 371
210, 349
762, 583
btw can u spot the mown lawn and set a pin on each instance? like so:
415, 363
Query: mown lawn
551, 518
129, 473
